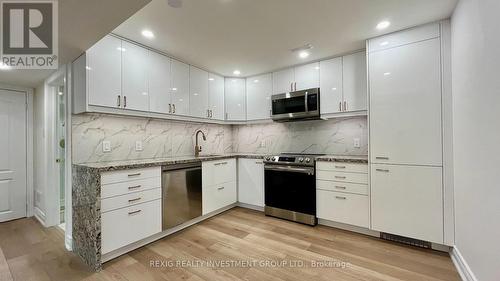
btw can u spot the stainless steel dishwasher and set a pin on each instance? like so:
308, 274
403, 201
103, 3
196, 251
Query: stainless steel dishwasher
181, 191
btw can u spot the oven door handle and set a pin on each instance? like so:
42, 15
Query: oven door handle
309, 171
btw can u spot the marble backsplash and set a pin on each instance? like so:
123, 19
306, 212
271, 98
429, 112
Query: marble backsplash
164, 138
160, 138
334, 136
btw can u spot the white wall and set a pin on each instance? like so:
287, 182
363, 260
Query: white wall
476, 110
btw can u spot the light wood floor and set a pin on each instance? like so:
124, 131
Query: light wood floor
30, 252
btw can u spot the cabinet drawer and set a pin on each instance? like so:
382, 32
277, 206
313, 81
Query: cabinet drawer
342, 177
342, 207
122, 188
218, 196
217, 172
342, 167
346, 187
130, 199
128, 225
132, 174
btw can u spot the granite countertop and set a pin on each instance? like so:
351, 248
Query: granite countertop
344, 158
142, 163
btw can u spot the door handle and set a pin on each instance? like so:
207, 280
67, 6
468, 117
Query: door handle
173, 106
381, 158
340, 187
134, 175
208, 113
340, 167
124, 101
169, 108
340, 177
295, 86
135, 199
382, 170
220, 188
340, 106
291, 86
118, 102
134, 212
134, 187
340, 197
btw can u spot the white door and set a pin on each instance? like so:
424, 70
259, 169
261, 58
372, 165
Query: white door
12, 155
405, 104
251, 181
180, 88
283, 81
234, 91
259, 90
135, 77
104, 66
306, 76
331, 86
198, 89
159, 83
354, 76
216, 96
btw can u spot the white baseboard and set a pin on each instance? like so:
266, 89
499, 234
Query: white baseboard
462, 267
40, 216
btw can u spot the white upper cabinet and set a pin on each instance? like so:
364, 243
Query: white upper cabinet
180, 88
216, 96
159, 83
235, 99
354, 82
259, 90
283, 81
306, 77
405, 104
104, 66
135, 77
198, 88
331, 88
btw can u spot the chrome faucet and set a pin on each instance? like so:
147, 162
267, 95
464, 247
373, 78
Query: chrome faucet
197, 148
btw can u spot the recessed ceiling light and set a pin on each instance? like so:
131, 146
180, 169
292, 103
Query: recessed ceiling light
148, 34
236, 72
211, 79
383, 24
174, 89
60, 93
3, 66
303, 54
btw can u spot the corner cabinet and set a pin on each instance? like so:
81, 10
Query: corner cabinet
216, 96
235, 99
198, 88
258, 94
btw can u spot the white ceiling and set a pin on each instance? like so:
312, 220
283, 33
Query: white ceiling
81, 24
256, 36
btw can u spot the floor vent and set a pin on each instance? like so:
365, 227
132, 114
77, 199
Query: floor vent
406, 240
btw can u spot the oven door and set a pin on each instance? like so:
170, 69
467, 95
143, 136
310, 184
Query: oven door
290, 188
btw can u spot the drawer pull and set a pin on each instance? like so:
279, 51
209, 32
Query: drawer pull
134, 212
340, 177
382, 170
134, 175
382, 158
221, 163
340, 187
135, 199
220, 188
340, 197
340, 167
134, 187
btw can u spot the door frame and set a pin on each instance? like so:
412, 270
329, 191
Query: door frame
29, 143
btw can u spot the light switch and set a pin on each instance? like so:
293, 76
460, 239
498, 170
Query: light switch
357, 143
106, 146
138, 145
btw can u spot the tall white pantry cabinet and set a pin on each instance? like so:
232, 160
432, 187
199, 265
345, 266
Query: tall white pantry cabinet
408, 115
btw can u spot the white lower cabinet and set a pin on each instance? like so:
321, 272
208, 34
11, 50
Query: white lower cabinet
251, 181
342, 207
407, 201
218, 180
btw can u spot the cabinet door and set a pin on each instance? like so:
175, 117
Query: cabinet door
235, 99
159, 83
259, 89
198, 88
216, 96
251, 181
354, 82
283, 81
180, 88
104, 66
135, 77
307, 76
405, 104
331, 86
407, 201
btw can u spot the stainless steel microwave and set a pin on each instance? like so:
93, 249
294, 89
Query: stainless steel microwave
296, 105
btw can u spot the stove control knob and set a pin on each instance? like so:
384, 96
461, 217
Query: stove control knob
308, 160
301, 159
274, 158
268, 158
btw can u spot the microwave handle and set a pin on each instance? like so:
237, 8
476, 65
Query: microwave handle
305, 100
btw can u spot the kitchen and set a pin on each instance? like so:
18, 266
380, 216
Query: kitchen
306, 157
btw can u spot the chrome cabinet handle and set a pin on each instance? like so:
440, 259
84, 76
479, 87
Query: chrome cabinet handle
340, 187
295, 86
169, 108
382, 158
291, 86
345, 106
135, 199
173, 106
340, 167
124, 101
118, 102
220, 163
134, 175
208, 113
134, 212
134, 187
340, 197
340, 106
382, 170
340, 177
220, 188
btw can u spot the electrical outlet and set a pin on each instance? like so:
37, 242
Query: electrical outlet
357, 143
106, 146
138, 145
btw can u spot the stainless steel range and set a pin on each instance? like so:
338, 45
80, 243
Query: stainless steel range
290, 187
